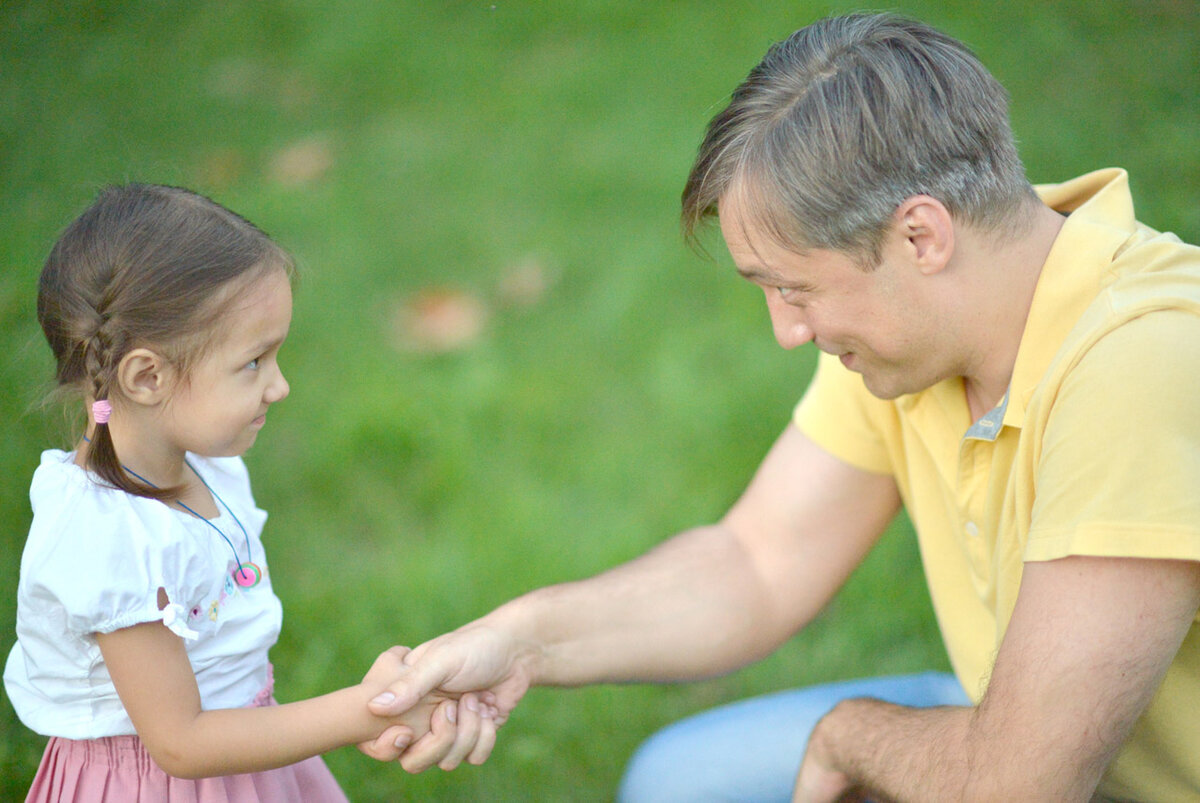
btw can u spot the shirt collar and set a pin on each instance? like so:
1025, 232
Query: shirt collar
1100, 220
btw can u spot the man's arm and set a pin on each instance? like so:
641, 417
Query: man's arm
716, 598
1088, 644
705, 602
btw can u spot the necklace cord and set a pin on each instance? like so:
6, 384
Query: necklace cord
248, 574
241, 567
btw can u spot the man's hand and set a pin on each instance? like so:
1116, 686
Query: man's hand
490, 671
819, 781
451, 727
1088, 644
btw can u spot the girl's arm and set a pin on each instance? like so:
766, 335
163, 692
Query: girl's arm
153, 677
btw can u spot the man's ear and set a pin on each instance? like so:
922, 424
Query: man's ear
144, 376
927, 229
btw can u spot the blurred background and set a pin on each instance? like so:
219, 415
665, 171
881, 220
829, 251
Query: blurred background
507, 369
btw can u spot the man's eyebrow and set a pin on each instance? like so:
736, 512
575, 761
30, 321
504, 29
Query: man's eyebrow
763, 276
758, 275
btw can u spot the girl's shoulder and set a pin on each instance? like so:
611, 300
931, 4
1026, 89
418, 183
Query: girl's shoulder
92, 552
96, 555
61, 487
67, 497
79, 523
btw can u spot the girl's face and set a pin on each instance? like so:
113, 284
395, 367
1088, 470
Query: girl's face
219, 407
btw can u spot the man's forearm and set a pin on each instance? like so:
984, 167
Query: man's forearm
1088, 644
890, 752
897, 753
693, 607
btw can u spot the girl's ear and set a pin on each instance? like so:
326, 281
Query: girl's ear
144, 377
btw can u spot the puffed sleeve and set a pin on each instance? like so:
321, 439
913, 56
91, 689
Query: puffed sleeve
96, 558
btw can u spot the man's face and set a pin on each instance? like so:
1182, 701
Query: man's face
878, 322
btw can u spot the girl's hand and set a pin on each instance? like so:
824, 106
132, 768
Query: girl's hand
388, 667
460, 731
415, 722
438, 730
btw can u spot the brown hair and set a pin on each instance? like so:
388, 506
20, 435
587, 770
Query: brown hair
848, 117
141, 266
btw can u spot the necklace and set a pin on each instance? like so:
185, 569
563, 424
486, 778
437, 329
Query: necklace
248, 574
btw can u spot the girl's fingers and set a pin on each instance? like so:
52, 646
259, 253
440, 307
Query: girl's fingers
435, 745
389, 745
487, 738
469, 721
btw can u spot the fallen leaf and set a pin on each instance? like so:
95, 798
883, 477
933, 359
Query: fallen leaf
438, 320
525, 283
302, 162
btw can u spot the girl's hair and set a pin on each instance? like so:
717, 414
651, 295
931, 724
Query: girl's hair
847, 118
144, 266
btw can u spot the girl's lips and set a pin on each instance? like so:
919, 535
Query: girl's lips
258, 422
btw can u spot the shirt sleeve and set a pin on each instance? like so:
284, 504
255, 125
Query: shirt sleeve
840, 415
96, 557
1119, 471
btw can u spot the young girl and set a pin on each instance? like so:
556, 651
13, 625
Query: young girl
145, 602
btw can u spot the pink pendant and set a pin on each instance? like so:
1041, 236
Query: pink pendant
247, 575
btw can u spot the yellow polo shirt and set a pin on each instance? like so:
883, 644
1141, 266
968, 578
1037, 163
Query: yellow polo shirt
1095, 450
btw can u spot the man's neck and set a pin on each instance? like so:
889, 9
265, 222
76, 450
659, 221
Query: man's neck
1009, 276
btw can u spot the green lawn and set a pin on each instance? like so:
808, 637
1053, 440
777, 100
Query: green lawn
529, 157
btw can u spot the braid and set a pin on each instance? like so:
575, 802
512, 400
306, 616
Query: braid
102, 352
96, 366
138, 268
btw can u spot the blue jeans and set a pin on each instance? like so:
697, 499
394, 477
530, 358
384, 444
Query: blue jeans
751, 750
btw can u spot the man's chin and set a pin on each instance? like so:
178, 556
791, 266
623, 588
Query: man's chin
883, 389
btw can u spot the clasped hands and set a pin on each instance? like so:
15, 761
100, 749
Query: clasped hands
443, 702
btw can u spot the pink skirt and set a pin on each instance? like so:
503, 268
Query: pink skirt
118, 768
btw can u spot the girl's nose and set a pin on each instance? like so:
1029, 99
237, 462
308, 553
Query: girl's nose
279, 389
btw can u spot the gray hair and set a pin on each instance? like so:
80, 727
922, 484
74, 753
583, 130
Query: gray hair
843, 121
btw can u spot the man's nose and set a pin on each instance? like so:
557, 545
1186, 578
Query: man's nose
788, 321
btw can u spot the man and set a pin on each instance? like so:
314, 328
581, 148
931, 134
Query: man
1018, 369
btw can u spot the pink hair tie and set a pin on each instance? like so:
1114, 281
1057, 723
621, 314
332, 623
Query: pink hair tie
101, 411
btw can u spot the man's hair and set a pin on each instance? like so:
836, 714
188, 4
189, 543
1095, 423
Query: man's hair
843, 121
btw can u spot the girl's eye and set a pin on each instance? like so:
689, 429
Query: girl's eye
253, 364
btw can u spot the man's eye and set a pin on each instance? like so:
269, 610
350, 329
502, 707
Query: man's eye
795, 296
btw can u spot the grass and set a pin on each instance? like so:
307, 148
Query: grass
399, 148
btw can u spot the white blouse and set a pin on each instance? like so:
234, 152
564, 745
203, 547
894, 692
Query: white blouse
94, 562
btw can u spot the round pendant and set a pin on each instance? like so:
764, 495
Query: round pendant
247, 575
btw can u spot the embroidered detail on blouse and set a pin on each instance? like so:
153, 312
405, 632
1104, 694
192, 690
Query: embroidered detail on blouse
264, 695
204, 615
173, 618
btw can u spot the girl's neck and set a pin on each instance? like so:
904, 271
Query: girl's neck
160, 466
